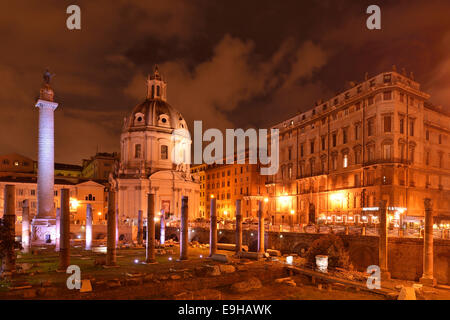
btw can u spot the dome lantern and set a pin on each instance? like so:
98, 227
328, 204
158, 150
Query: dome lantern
156, 86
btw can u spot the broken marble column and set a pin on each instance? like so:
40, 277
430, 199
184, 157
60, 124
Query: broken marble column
383, 242
428, 277
213, 228
260, 228
238, 226
150, 250
26, 243
64, 229
88, 227
140, 236
111, 230
57, 229
9, 222
162, 230
184, 229
117, 226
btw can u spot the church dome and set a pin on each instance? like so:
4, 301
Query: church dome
154, 112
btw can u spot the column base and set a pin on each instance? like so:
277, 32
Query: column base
428, 281
43, 231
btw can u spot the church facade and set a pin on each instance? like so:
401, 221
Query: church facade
154, 158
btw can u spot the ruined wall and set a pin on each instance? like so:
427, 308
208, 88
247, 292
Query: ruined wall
405, 255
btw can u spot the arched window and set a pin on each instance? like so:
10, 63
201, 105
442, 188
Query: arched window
157, 91
153, 91
345, 161
90, 197
164, 152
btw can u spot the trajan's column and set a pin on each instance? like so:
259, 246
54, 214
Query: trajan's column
44, 223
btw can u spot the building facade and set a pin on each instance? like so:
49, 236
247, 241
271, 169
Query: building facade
100, 166
199, 174
230, 182
381, 139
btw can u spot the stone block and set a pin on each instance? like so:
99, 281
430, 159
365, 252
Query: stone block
219, 257
407, 293
227, 268
245, 286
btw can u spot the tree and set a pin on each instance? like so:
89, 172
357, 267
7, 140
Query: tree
6, 241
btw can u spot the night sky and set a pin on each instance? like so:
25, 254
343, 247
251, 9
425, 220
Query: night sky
232, 64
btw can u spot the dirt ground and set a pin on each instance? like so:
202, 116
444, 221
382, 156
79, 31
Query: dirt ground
170, 279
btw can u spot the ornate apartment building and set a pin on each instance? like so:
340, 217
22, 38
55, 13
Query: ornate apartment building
381, 139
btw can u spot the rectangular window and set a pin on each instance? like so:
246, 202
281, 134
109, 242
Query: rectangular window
387, 124
356, 132
344, 136
411, 127
370, 101
312, 147
387, 151
164, 152
387, 95
370, 128
334, 139
427, 135
301, 150
402, 125
137, 151
323, 143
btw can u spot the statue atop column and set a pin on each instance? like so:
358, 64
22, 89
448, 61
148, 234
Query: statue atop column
46, 92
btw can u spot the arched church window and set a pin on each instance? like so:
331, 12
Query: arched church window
164, 152
90, 197
137, 150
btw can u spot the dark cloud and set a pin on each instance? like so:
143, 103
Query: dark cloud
229, 63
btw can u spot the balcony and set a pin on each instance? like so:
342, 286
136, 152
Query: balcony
387, 161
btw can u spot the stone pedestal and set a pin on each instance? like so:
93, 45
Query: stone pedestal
43, 231
428, 277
